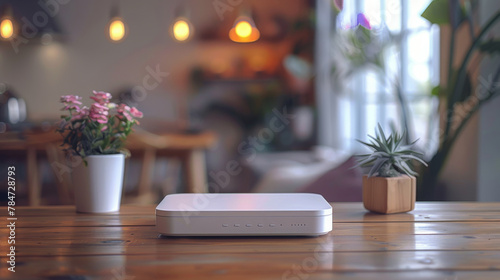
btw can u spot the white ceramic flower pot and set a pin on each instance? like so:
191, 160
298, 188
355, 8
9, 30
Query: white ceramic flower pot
98, 186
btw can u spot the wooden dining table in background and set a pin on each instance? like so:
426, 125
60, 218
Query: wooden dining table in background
438, 240
31, 144
189, 147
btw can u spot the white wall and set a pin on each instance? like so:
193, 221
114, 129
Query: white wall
86, 60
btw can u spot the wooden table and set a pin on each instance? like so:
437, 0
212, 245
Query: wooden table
31, 143
435, 241
188, 147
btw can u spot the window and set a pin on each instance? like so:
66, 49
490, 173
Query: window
412, 60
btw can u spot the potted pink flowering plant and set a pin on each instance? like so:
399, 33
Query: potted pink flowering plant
97, 135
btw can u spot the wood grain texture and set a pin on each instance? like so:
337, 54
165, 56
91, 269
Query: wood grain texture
434, 241
389, 195
346, 212
258, 266
177, 141
129, 245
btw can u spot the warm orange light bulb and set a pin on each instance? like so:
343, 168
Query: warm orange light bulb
116, 30
243, 29
6, 29
181, 30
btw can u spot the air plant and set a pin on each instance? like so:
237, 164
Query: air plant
389, 157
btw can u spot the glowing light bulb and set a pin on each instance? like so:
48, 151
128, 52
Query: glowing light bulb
181, 30
6, 29
116, 30
243, 29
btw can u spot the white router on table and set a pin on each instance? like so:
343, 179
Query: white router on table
244, 214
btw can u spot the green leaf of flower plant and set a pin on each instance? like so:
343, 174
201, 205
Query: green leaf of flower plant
437, 12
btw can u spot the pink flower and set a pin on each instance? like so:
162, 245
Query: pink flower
71, 102
363, 21
86, 130
101, 97
122, 108
128, 116
71, 107
136, 113
71, 99
80, 114
129, 113
98, 113
101, 108
124, 111
99, 119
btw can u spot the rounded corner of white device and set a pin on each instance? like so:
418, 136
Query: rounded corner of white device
240, 214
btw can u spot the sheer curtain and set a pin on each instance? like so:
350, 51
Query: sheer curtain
369, 97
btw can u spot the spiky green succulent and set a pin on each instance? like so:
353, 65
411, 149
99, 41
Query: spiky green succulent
389, 157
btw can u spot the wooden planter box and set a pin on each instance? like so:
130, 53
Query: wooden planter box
389, 195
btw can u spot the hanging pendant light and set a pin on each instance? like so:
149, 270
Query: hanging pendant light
181, 29
116, 29
244, 30
6, 28
7, 25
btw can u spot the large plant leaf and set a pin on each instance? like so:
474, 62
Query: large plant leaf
490, 47
372, 145
381, 144
415, 158
404, 168
462, 93
381, 131
437, 12
457, 12
407, 168
364, 162
466, 91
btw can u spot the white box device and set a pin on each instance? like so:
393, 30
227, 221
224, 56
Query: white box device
244, 214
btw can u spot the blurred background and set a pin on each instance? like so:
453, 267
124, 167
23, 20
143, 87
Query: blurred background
254, 96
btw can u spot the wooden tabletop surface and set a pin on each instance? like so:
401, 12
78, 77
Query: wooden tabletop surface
435, 241
17, 141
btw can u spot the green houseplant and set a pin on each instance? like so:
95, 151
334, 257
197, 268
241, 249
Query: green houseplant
460, 94
390, 186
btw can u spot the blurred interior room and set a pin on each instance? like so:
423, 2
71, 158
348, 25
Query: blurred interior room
255, 96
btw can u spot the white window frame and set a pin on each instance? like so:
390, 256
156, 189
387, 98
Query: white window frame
341, 118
